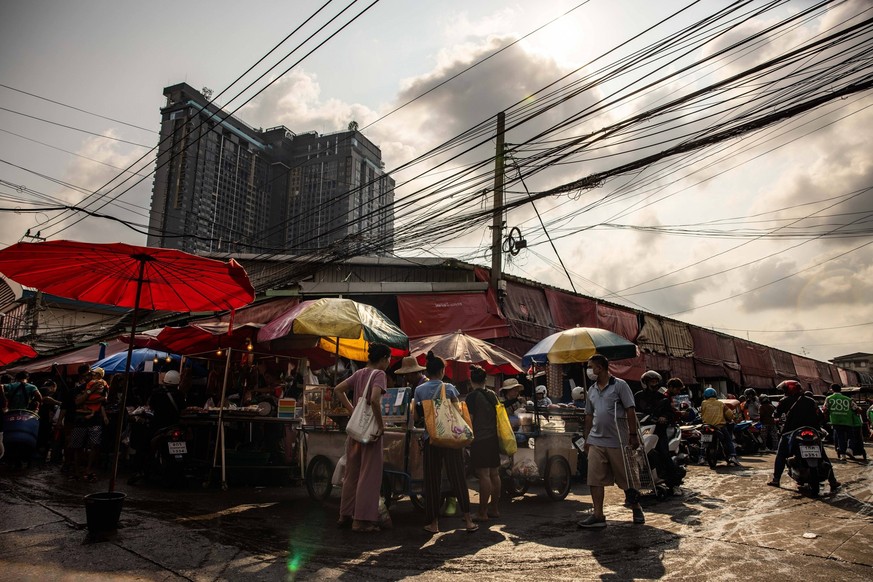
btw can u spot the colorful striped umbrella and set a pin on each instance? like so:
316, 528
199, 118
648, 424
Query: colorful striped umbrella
578, 344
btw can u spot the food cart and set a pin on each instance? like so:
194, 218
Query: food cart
547, 450
324, 440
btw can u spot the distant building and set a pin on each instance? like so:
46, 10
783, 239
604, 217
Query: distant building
225, 187
859, 362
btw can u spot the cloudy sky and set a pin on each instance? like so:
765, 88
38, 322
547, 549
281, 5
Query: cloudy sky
704, 239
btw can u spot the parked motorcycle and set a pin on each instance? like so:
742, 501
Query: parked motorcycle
689, 443
746, 441
807, 463
650, 442
164, 452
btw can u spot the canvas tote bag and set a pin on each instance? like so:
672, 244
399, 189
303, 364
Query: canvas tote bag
445, 423
362, 425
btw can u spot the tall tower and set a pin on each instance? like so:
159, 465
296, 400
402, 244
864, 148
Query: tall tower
224, 187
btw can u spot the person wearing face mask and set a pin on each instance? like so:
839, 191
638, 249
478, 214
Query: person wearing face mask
608, 396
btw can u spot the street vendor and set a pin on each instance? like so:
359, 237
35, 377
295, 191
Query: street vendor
509, 397
411, 372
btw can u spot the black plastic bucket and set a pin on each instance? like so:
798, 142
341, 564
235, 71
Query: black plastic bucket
103, 510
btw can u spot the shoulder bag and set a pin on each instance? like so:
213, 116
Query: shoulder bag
362, 425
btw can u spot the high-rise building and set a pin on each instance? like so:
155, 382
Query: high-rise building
222, 186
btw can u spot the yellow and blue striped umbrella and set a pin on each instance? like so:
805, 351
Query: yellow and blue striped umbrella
577, 345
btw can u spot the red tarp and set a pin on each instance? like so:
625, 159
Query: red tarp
261, 312
683, 368
754, 381
727, 352
527, 312
732, 369
708, 369
805, 367
824, 372
658, 362
570, 310
705, 344
629, 370
844, 377
73, 359
423, 315
620, 321
755, 359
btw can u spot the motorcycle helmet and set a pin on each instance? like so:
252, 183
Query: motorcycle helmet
710, 393
790, 387
98, 372
578, 393
540, 390
650, 375
172, 378
750, 393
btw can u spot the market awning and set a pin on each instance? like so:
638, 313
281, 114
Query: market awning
620, 321
472, 313
527, 312
683, 368
571, 310
651, 336
755, 361
87, 355
784, 363
678, 339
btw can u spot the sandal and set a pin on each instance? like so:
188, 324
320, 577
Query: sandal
428, 529
473, 529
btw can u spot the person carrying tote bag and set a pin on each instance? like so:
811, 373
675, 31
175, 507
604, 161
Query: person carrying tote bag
359, 503
436, 456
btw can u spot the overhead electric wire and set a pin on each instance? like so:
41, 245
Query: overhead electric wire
80, 130
77, 108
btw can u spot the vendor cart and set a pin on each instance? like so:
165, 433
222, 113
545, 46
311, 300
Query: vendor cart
546, 452
324, 443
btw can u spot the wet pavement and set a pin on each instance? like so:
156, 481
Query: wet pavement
727, 525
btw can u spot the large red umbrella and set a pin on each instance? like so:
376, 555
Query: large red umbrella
460, 350
128, 276
12, 351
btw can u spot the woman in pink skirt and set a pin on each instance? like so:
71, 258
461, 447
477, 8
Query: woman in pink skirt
359, 505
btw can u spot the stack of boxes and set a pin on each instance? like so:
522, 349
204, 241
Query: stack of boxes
288, 408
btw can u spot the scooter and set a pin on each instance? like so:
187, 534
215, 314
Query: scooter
649, 443
164, 451
713, 449
807, 463
747, 444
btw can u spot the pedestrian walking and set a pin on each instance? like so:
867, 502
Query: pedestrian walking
485, 450
768, 423
362, 484
607, 398
435, 457
838, 409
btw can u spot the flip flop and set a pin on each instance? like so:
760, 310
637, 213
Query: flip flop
430, 531
475, 528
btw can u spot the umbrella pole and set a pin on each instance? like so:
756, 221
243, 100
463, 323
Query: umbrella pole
122, 409
219, 438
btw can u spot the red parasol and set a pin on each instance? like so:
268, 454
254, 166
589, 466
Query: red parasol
12, 351
462, 350
128, 276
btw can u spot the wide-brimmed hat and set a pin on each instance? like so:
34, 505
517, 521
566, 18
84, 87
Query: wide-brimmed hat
509, 384
408, 366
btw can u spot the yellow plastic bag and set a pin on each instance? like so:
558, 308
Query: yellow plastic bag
446, 423
505, 435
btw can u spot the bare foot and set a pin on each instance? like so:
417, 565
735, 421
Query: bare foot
432, 529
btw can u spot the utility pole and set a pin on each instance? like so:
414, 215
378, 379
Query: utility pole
497, 220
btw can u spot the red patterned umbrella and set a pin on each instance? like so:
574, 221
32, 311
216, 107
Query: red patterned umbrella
205, 337
128, 276
462, 350
12, 351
